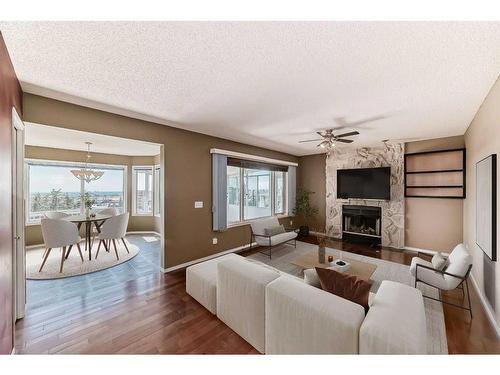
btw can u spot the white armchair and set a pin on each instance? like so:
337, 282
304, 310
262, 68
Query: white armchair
454, 275
259, 227
59, 233
113, 229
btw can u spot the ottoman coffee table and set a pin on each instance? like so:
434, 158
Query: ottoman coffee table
363, 270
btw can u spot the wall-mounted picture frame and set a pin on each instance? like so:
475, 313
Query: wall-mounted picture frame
486, 205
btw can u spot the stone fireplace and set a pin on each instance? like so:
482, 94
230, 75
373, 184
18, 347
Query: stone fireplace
392, 212
362, 224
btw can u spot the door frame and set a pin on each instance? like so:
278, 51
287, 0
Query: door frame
18, 217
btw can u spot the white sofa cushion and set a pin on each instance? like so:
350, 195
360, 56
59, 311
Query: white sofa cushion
311, 277
432, 277
201, 282
241, 298
302, 319
459, 262
438, 261
277, 239
395, 323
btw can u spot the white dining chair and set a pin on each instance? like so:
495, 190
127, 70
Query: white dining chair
114, 228
110, 211
59, 233
55, 215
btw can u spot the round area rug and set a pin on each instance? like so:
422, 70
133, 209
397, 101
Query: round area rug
73, 266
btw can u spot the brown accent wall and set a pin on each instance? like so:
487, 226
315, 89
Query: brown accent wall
311, 176
482, 138
10, 96
187, 175
434, 223
33, 233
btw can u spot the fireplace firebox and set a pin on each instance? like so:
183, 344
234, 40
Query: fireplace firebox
362, 224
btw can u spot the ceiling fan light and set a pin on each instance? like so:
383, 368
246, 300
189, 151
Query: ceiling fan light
324, 144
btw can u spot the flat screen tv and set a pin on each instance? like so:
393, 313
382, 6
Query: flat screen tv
364, 183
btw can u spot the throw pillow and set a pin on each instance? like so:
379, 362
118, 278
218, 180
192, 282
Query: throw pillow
311, 277
345, 286
439, 262
274, 231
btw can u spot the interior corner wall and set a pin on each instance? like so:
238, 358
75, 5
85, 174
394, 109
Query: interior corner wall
33, 233
482, 138
187, 172
434, 223
311, 176
10, 97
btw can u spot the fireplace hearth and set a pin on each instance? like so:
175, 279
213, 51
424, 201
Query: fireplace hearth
362, 224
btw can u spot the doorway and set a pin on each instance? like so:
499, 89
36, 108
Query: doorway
18, 256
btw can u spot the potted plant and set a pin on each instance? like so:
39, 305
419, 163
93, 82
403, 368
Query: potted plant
88, 202
304, 209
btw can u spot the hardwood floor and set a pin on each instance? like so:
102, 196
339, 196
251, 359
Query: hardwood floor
153, 314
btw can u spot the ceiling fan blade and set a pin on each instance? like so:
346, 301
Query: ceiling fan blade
347, 134
320, 134
344, 140
311, 140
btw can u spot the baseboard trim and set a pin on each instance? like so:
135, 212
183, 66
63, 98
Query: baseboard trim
29, 247
143, 232
216, 255
486, 305
418, 250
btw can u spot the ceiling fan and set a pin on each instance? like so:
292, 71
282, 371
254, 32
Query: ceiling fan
328, 139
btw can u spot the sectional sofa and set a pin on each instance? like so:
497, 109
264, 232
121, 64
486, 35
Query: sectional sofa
278, 313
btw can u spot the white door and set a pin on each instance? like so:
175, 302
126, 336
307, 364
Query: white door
18, 212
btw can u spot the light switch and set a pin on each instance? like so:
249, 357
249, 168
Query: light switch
198, 204
214, 241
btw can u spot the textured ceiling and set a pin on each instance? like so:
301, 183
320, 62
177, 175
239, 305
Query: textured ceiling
68, 139
269, 84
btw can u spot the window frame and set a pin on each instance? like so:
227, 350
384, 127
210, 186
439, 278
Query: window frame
157, 205
42, 162
134, 189
272, 183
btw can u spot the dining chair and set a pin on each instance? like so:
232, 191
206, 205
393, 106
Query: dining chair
55, 215
59, 233
114, 228
105, 211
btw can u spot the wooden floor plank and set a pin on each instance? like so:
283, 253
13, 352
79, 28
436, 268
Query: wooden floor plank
153, 314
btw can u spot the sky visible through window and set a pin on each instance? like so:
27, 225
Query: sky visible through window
45, 178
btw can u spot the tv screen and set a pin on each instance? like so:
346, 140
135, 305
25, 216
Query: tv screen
364, 183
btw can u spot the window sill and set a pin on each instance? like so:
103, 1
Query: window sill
248, 222
143, 215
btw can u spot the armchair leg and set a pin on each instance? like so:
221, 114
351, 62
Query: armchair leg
69, 250
126, 247
80, 251
116, 251
99, 247
468, 297
47, 252
62, 259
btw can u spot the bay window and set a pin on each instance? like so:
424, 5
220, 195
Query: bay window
52, 187
142, 190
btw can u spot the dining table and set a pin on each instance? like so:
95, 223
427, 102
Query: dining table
97, 220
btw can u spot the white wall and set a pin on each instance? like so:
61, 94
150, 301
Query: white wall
482, 139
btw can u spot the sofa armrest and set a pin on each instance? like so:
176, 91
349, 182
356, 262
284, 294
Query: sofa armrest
395, 323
